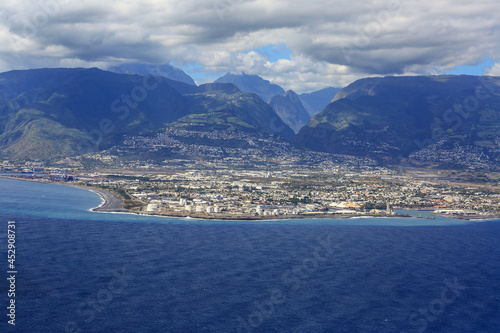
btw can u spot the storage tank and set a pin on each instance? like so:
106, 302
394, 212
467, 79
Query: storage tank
152, 207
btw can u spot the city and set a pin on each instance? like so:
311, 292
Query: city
293, 186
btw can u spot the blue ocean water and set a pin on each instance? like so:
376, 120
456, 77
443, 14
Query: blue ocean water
80, 271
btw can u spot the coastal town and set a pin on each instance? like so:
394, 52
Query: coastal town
332, 190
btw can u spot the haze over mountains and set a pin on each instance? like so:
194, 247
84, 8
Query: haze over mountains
316, 101
295, 110
165, 70
453, 120
252, 84
289, 107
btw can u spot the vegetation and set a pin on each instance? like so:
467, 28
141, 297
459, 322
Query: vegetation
396, 116
49, 113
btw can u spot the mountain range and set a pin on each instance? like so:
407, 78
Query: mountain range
316, 101
295, 110
290, 109
166, 70
252, 84
401, 117
447, 120
46, 113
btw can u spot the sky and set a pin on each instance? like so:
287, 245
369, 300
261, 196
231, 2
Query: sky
299, 45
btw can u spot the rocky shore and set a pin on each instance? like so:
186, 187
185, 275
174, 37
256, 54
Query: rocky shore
469, 217
243, 217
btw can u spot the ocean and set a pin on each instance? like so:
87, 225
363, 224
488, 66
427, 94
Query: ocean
82, 271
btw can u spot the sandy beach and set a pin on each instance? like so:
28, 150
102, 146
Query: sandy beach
112, 202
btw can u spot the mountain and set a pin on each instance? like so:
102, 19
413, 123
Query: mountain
60, 112
47, 113
252, 84
222, 106
290, 110
291, 107
166, 70
395, 117
316, 101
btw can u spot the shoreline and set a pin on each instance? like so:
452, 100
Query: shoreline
312, 216
470, 217
226, 217
112, 203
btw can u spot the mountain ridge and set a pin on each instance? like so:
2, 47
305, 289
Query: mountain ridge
166, 70
294, 110
395, 117
316, 101
290, 109
91, 109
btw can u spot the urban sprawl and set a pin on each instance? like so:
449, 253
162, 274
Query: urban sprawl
224, 191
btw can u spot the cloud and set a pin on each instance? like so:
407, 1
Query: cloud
494, 70
332, 42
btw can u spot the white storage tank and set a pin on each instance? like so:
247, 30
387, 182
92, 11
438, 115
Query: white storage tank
152, 207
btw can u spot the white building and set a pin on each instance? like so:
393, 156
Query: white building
152, 207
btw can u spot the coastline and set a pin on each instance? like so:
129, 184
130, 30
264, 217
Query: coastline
470, 217
229, 217
112, 203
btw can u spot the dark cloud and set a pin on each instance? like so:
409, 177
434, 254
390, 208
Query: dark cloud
333, 42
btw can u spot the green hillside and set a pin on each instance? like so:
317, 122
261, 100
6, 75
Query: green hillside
224, 107
50, 113
393, 117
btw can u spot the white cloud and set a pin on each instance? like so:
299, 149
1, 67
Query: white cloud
333, 42
494, 70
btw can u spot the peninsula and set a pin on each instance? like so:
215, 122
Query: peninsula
335, 191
